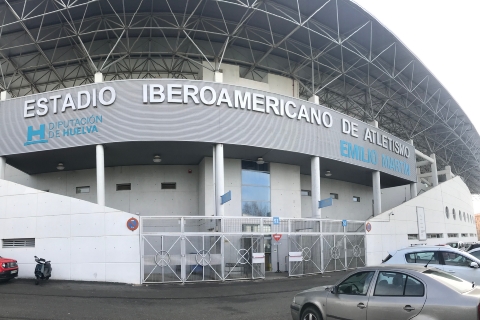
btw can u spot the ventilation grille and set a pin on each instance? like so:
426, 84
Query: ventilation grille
18, 243
169, 185
124, 186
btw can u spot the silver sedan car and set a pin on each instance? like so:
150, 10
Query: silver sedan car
393, 292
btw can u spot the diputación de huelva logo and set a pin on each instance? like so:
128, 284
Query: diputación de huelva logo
60, 129
31, 133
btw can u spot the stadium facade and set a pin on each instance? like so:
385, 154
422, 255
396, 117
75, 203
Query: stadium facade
157, 141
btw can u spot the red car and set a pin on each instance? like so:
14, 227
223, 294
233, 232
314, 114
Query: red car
8, 269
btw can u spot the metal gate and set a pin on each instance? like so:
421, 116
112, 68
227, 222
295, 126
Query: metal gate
306, 253
239, 257
194, 249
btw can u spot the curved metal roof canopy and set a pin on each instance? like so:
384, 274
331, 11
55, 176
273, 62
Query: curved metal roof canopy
333, 48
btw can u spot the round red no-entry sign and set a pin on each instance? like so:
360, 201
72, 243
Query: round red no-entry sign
277, 237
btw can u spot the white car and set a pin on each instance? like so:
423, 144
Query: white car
459, 263
475, 253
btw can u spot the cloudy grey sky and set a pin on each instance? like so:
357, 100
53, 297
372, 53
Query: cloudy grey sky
444, 35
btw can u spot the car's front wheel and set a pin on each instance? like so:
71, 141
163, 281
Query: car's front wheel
311, 313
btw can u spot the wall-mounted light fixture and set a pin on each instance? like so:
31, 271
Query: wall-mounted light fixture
328, 173
60, 166
157, 159
260, 161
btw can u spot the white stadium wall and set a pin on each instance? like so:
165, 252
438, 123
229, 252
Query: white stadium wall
84, 241
145, 198
270, 83
194, 193
392, 197
390, 232
285, 190
344, 207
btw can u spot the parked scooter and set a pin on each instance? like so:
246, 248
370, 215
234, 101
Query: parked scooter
43, 270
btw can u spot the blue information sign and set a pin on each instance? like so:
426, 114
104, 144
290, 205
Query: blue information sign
344, 223
325, 203
276, 220
226, 197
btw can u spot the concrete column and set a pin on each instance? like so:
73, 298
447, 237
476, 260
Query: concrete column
377, 193
98, 77
218, 76
219, 179
4, 95
315, 99
448, 173
3, 165
315, 169
413, 185
100, 175
434, 170
413, 190
214, 185
296, 89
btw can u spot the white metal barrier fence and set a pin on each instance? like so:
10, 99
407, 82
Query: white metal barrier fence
192, 249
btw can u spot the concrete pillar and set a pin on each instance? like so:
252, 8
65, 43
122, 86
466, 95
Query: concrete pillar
434, 170
448, 173
100, 175
296, 89
98, 77
315, 99
4, 95
219, 179
218, 76
3, 165
214, 185
413, 190
377, 193
413, 185
315, 169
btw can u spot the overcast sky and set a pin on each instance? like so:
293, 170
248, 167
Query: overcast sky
444, 35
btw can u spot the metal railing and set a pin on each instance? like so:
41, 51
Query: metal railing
193, 248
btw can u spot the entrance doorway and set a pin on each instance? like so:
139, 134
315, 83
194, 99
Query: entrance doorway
268, 253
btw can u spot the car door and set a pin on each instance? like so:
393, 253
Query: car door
459, 265
350, 301
396, 296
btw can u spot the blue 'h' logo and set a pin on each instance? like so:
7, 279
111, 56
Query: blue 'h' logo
32, 133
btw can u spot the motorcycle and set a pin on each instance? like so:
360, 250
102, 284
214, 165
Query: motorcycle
43, 270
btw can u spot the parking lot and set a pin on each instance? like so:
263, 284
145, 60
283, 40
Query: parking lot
261, 299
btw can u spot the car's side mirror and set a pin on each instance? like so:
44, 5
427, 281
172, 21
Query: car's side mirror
333, 290
474, 265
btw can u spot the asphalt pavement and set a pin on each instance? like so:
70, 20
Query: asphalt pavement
259, 299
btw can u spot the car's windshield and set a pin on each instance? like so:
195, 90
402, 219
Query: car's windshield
450, 281
476, 254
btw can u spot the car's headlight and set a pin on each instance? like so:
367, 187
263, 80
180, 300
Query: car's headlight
293, 300
4, 265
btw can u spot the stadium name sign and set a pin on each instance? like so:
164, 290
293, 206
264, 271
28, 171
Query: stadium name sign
187, 110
